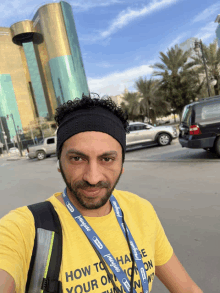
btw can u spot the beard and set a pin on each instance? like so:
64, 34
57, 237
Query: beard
88, 202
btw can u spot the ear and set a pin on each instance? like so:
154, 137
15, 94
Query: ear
58, 166
123, 169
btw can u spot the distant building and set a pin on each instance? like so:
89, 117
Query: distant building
189, 44
41, 66
120, 98
218, 29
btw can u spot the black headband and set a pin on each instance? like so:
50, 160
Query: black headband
92, 119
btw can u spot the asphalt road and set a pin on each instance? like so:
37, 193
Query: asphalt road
172, 153
182, 185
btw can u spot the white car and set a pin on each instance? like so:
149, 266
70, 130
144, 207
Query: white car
146, 134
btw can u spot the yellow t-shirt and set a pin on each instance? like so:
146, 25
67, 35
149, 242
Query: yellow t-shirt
81, 270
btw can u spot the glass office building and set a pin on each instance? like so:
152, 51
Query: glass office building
41, 66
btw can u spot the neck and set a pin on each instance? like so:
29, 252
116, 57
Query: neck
100, 212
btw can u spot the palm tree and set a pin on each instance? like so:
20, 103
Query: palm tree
172, 62
152, 102
133, 107
212, 58
178, 82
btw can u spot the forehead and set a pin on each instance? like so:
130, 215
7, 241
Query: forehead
92, 141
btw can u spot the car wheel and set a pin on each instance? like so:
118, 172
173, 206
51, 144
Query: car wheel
164, 139
211, 150
41, 155
217, 146
207, 149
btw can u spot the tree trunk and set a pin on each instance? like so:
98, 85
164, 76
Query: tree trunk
153, 116
216, 89
216, 86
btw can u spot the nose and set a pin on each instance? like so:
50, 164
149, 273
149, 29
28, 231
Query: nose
93, 173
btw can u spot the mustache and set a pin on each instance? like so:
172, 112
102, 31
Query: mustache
85, 185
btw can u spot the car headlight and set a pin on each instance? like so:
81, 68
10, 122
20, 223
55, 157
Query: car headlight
174, 131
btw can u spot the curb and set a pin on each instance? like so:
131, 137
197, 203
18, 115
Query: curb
13, 159
9, 157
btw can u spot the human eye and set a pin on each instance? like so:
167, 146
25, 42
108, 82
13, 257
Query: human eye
75, 158
107, 159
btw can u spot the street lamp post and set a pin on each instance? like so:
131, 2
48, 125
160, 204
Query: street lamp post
4, 135
19, 146
19, 135
199, 45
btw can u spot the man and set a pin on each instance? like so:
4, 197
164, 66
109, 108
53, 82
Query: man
113, 240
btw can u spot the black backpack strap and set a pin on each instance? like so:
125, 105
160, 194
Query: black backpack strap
46, 258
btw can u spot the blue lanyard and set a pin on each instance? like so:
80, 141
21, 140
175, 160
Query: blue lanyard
103, 250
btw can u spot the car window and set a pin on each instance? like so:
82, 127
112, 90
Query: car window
210, 111
50, 140
186, 115
142, 126
137, 127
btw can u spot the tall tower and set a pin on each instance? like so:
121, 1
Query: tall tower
63, 58
41, 66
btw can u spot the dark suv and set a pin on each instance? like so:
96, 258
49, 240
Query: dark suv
200, 125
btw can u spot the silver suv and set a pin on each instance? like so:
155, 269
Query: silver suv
146, 134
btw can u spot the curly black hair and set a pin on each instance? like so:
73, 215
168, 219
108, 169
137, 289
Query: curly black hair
88, 102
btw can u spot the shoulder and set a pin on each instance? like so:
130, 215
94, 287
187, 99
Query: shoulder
19, 217
17, 225
130, 200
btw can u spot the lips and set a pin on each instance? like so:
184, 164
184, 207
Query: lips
91, 191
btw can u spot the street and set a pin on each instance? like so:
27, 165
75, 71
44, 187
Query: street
172, 153
182, 185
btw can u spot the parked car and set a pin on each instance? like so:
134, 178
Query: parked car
200, 125
44, 149
14, 151
145, 134
162, 122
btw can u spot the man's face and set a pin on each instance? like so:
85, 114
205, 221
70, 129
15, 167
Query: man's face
91, 165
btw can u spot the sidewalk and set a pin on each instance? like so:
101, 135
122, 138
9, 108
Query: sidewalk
13, 157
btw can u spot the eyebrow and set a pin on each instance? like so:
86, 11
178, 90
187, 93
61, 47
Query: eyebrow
74, 151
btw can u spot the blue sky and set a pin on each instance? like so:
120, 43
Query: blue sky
119, 39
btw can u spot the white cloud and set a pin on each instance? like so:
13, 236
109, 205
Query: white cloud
17, 10
213, 9
176, 41
104, 64
207, 32
129, 15
115, 83
81, 5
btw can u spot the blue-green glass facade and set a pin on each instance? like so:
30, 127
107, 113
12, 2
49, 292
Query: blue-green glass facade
8, 104
64, 83
35, 79
79, 72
